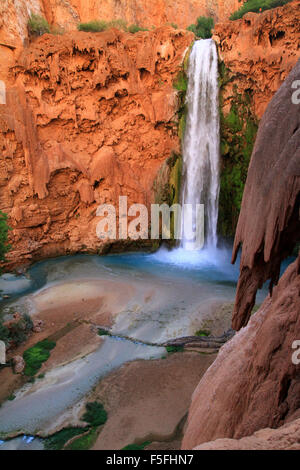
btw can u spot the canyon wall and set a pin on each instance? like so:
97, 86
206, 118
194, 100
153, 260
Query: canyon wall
66, 14
257, 52
88, 117
141, 12
254, 382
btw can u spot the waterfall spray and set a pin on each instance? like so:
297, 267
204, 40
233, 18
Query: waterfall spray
202, 138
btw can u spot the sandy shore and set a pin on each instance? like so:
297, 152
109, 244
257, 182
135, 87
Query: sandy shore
147, 400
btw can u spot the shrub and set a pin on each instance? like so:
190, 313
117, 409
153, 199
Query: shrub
84, 442
58, 440
256, 6
4, 333
202, 29
4, 228
102, 332
95, 414
174, 349
93, 26
134, 28
17, 333
202, 333
181, 82
37, 25
119, 24
97, 26
35, 356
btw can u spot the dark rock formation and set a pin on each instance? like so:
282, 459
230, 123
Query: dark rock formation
269, 225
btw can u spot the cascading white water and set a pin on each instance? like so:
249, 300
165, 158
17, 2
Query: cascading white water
202, 139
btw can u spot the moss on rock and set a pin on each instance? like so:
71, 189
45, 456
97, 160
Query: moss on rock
238, 131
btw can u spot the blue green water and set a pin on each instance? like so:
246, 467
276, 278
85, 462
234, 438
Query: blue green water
182, 288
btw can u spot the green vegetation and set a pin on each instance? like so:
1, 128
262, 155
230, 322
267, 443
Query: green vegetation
97, 26
95, 414
37, 25
203, 27
238, 132
102, 332
174, 349
203, 333
93, 26
257, 6
58, 440
36, 355
11, 397
181, 82
4, 228
17, 333
137, 446
84, 442
175, 165
134, 28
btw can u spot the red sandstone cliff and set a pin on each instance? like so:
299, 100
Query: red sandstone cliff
265, 391
66, 14
88, 117
259, 51
141, 12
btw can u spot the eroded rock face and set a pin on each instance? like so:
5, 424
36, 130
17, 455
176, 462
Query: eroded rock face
253, 383
259, 51
269, 225
284, 438
88, 117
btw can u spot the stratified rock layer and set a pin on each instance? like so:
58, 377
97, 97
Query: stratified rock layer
88, 117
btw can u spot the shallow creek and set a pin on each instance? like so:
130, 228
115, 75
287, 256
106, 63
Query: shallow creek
152, 298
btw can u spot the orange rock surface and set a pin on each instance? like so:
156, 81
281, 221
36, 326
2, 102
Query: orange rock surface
141, 12
67, 14
260, 50
284, 438
88, 117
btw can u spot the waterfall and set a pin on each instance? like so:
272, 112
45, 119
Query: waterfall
202, 139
